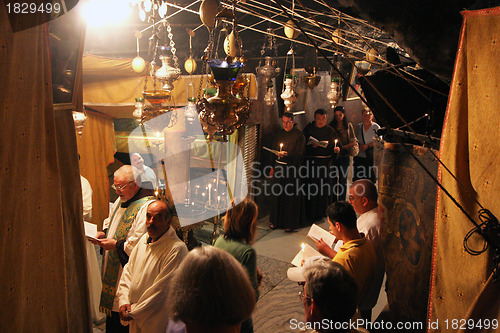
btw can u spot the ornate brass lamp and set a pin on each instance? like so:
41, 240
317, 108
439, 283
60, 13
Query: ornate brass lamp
224, 112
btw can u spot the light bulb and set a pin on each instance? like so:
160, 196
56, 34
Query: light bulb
142, 15
138, 64
163, 10
148, 5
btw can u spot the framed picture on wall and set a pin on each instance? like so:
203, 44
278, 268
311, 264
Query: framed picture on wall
360, 67
353, 83
66, 40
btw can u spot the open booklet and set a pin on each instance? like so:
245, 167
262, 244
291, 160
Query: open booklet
275, 152
305, 253
313, 140
90, 230
316, 233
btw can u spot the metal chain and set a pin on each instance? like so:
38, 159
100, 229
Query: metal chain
172, 43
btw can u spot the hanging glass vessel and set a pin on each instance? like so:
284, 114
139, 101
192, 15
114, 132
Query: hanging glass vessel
224, 112
289, 96
79, 118
334, 93
270, 96
167, 74
269, 71
139, 107
191, 113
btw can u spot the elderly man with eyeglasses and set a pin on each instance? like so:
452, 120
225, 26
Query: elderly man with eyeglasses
329, 295
122, 230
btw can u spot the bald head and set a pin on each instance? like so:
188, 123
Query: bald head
137, 161
363, 195
158, 219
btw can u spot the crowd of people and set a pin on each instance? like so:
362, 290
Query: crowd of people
152, 283
324, 151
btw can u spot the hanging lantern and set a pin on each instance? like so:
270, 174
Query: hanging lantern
138, 64
291, 30
139, 107
224, 112
268, 71
311, 80
289, 96
79, 118
191, 112
167, 74
208, 13
371, 55
337, 36
190, 65
335, 92
270, 96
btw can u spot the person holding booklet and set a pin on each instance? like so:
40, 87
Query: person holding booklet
357, 253
322, 143
288, 207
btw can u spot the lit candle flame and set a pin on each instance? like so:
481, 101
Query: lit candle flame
281, 146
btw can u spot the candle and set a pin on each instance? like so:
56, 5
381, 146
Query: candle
281, 147
209, 194
336, 140
156, 193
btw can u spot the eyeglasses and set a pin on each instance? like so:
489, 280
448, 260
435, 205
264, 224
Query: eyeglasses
303, 297
120, 188
287, 122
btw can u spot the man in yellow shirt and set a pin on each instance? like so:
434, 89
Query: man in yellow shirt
357, 254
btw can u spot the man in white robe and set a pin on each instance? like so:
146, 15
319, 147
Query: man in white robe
122, 231
363, 197
144, 283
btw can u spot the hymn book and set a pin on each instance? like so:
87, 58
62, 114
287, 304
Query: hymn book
275, 152
90, 230
313, 140
316, 233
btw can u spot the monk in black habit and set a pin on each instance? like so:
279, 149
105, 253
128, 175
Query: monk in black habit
288, 209
320, 184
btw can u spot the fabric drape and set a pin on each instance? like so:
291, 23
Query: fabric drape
43, 274
461, 286
96, 147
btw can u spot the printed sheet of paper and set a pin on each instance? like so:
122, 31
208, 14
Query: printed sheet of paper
90, 230
317, 233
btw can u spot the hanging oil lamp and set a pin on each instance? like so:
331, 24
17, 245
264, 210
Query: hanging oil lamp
334, 93
289, 96
224, 112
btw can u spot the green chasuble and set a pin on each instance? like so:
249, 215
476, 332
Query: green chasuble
110, 275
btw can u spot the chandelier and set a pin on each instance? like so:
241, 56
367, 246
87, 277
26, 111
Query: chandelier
226, 111
157, 101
